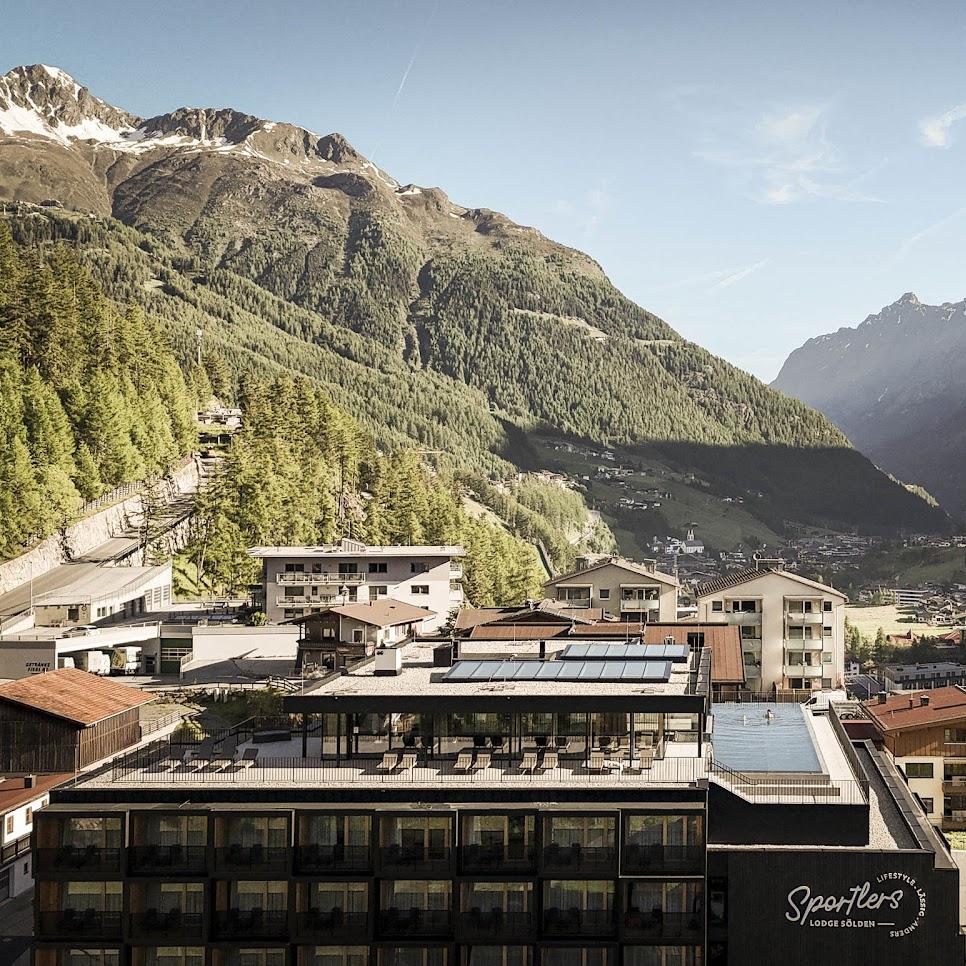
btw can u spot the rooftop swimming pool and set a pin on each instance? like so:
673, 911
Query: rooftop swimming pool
747, 739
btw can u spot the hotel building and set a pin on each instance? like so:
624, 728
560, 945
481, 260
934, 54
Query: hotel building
587, 809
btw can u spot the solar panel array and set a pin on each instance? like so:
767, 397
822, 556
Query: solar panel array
678, 653
587, 671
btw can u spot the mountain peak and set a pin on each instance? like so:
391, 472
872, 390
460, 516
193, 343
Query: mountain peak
908, 298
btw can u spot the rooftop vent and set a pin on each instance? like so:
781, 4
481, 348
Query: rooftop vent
388, 662
924, 700
912, 701
29, 781
883, 697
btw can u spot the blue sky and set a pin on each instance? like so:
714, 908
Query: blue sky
755, 174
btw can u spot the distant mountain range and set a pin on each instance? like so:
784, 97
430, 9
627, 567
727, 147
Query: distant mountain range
431, 322
895, 385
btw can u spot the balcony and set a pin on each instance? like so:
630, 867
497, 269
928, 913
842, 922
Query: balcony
160, 860
579, 858
954, 749
75, 923
251, 924
637, 604
455, 572
660, 859
804, 670
333, 924
416, 859
333, 859
955, 785
330, 579
252, 858
304, 601
799, 617
402, 923
577, 922
484, 859
153, 924
574, 602
793, 644
78, 861
656, 924
495, 925
740, 617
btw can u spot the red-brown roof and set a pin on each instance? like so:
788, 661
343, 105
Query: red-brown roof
13, 793
906, 710
384, 612
727, 663
517, 632
542, 612
74, 695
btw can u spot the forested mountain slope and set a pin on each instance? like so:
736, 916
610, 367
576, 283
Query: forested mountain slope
427, 320
894, 384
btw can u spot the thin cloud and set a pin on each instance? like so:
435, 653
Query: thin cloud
915, 239
740, 275
935, 130
782, 157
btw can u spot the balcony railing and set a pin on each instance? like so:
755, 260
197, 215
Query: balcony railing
638, 603
502, 858
154, 924
656, 924
577, 922
328, 579
804, 670
326, 859
333, 924
798, 617
743, 617
416, 858
455, 572
579, 858
249, 858
251, 924
74, 923
303, 601
74, 860
659, 859
401, 923
495, 924
167, 859
954, 749
955, 785
810, 644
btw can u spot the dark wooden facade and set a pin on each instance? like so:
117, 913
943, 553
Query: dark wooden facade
32, 741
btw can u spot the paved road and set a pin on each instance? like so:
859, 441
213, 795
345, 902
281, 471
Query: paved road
16, 929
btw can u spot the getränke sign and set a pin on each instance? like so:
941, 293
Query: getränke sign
894, 902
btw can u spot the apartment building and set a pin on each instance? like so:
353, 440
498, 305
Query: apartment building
428, 811
792, 629
297, 581
919, 677
925, 732
21, 797
621, 589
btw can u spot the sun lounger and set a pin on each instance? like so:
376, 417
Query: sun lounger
529, 762
389, 761
483, 759
464, 761
408, 762
549, 760
226, 756
249, 757
597, 761
200, 757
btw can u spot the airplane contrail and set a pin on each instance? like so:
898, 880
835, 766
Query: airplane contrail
412, 60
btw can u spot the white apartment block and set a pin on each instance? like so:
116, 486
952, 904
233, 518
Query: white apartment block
298, 581
622, 589
20, 799
792, 629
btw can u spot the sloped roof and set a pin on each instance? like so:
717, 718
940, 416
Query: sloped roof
384, 612
945, 705
628, 565
14, 794
74, 695
739, 577
727, 665
543, 611
518, 632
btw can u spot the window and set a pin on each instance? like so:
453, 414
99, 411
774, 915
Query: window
744, 607
295, 568
9, 825
717, 605
418, 567
696, 638
358, 635
827, 606
379, 568
337, 956
918, 769
29, 815
927, 805
420, 588
826, 631
826, 657
316, 566
605, 595
751, 632
377, 590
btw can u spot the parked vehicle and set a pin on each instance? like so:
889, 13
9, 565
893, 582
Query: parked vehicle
126, 660
65, 662
96, 662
